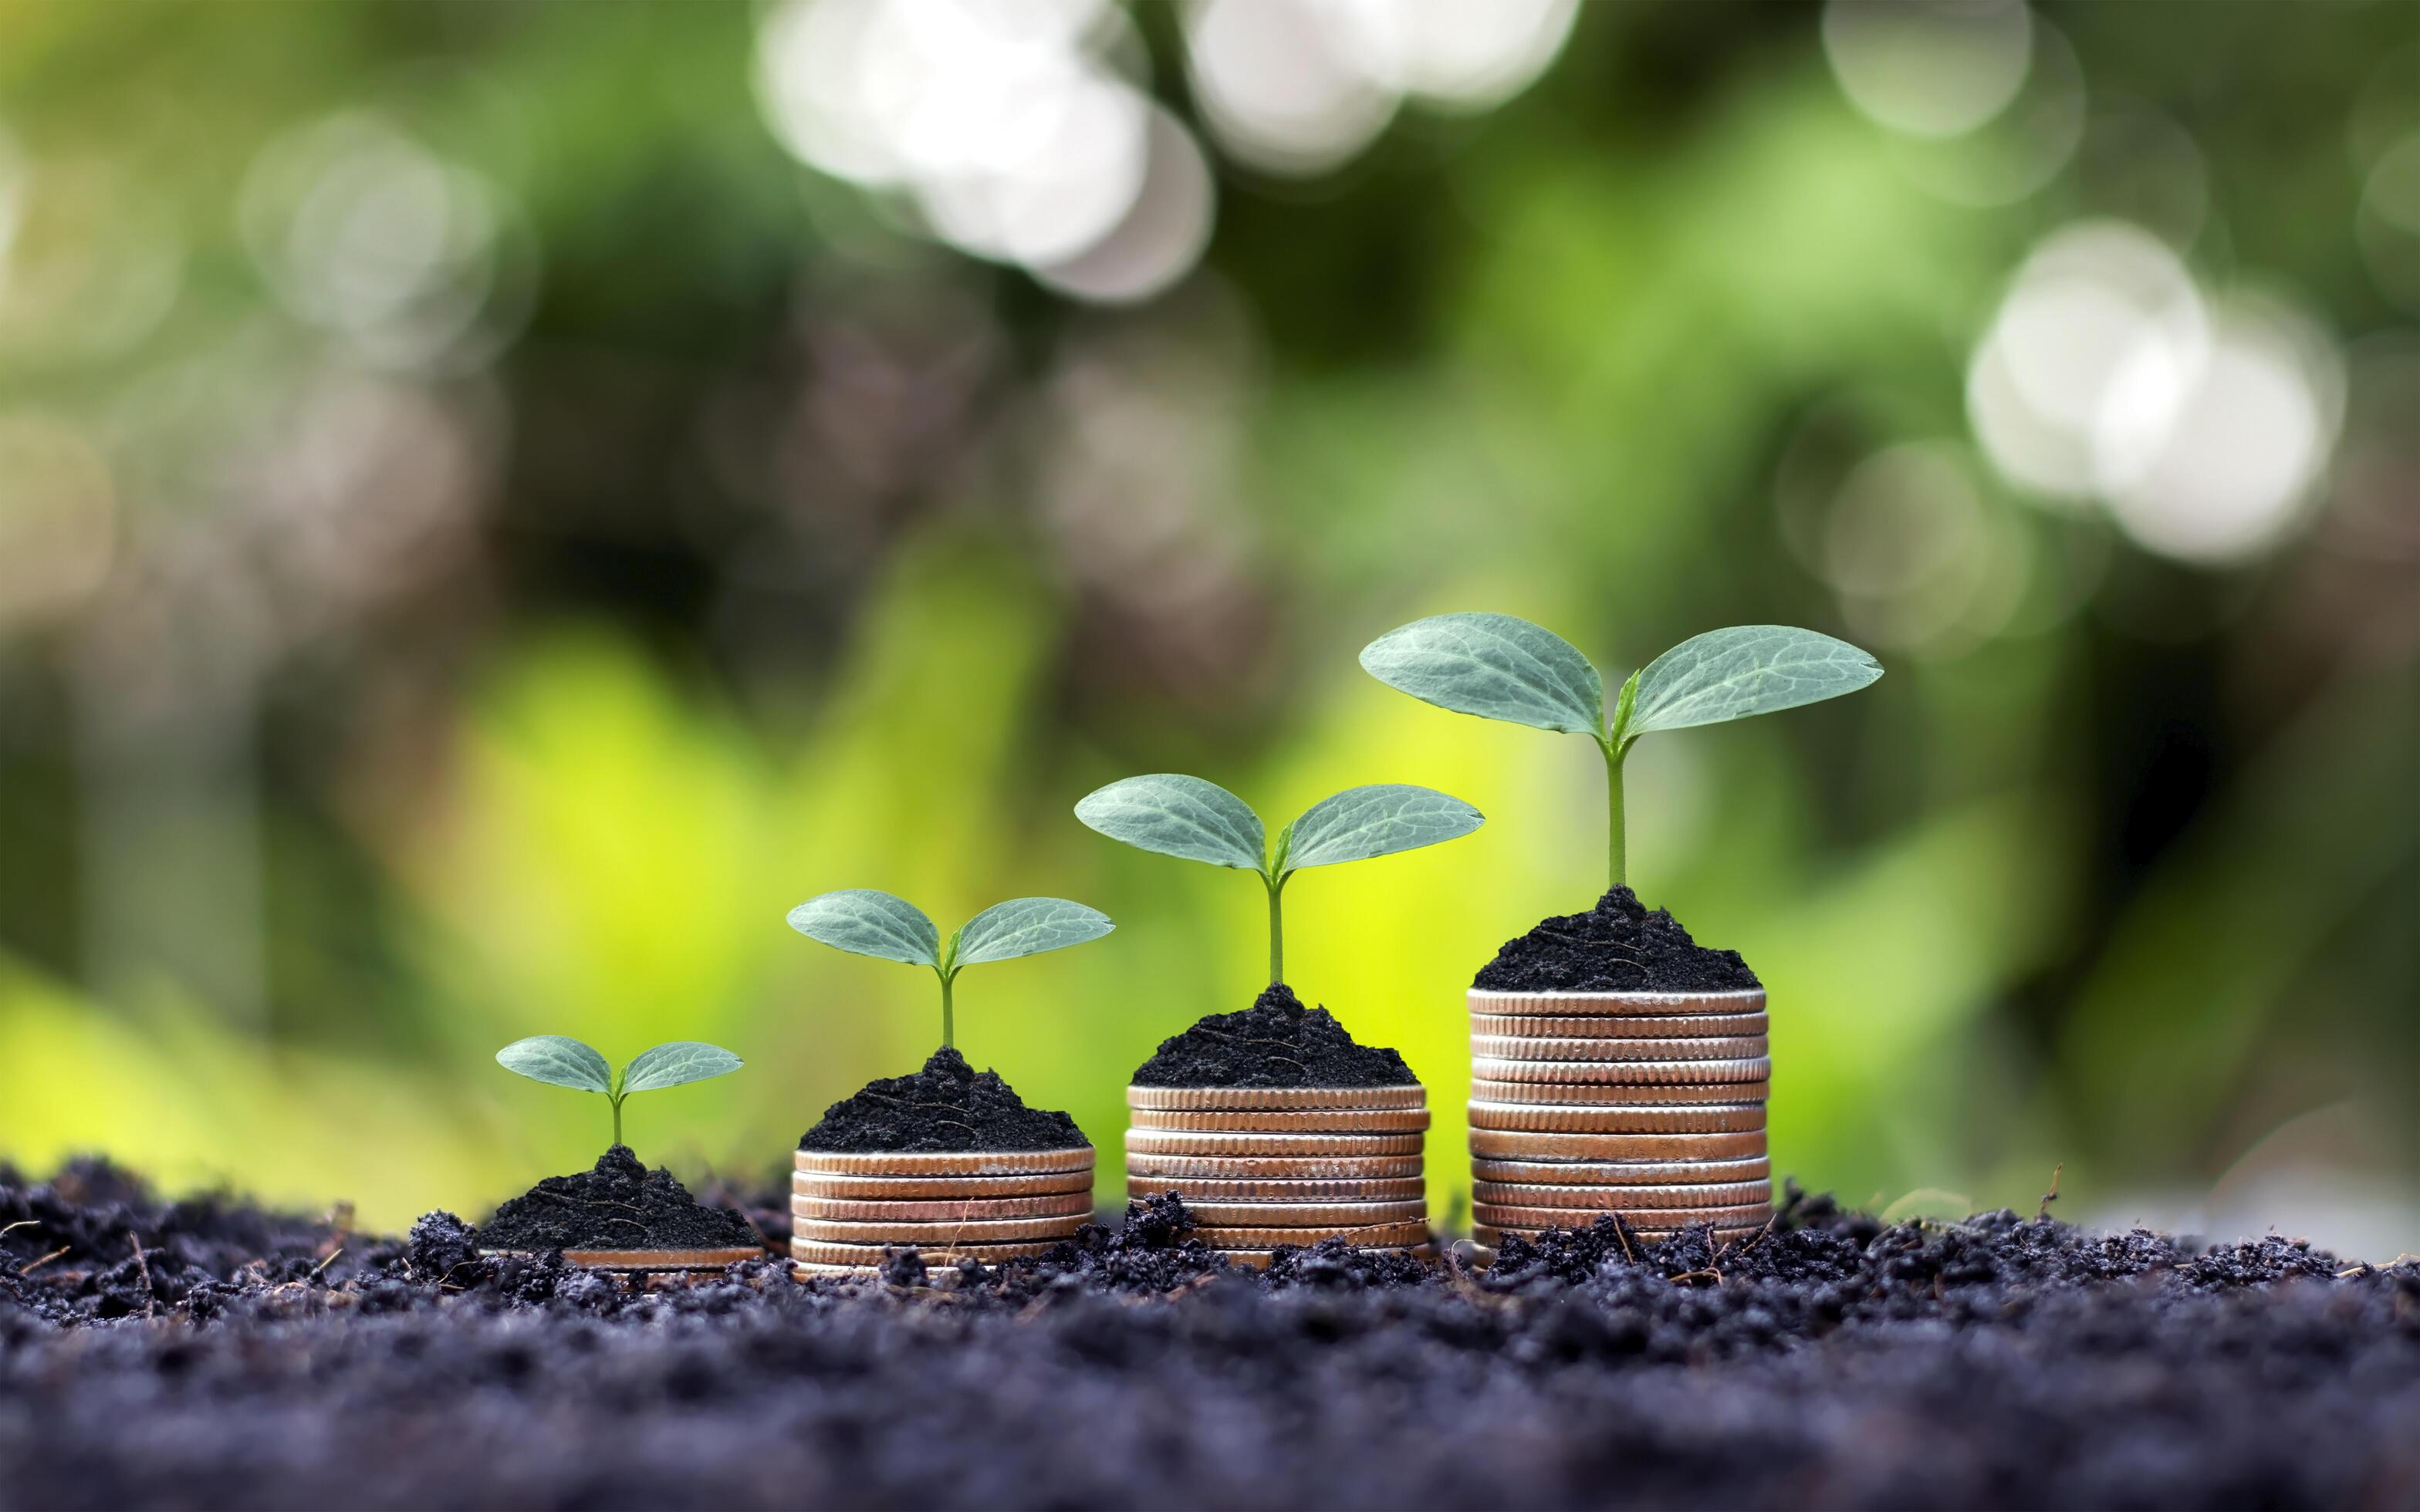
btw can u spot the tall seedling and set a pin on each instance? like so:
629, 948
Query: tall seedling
1168, 814
1500, 668
864, 922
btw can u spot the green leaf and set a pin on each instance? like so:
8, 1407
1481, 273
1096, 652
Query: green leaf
558, 1062
1028, 926
1749, 668
1379, 820
1170, 814
669, 1065
865, 923
1493, 666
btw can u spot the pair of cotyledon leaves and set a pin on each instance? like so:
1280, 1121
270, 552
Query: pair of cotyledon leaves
560, 1061
867, 922
1501, 667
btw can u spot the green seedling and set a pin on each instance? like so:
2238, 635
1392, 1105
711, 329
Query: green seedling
865, 923
1500, 668
1185, 817
561, 1061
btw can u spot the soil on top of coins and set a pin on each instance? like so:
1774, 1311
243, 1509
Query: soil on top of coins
946, 1107
1619, 946
205, 1353
619, 1205
1275, 1042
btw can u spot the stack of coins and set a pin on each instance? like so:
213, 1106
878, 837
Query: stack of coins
847, 1209
1262, 1167
1646, 1104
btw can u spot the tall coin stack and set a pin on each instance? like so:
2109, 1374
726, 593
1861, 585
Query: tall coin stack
1266, 1167
847, 1208
1646, 1104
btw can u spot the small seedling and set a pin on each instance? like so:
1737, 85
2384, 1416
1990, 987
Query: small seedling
1500, 668
1168, 814
561, 1061
865, 923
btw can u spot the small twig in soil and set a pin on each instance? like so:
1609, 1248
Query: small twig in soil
2052, 1196
1622, 1232
329, 1262
34, 1266
150, 1297
26, 1222
1699, 1275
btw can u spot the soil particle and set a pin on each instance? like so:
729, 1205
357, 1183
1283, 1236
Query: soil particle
945, 1107
1275, 1042
619, 1205
1617, 946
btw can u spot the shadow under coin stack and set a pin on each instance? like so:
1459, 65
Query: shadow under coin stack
1266, 1167
1646, 1104
847, 1208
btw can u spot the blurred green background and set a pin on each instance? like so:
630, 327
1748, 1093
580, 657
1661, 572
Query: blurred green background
498, 502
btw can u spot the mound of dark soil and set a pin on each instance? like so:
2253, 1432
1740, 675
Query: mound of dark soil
619, 1205
1275, 1042
1617, 946
947, 1106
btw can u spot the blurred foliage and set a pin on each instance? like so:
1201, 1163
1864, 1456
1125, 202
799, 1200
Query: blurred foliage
769, 551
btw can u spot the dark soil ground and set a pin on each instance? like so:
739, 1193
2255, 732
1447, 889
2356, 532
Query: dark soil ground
238, 1357
1275, 1042
946, 1106
1617, 946
619, 1205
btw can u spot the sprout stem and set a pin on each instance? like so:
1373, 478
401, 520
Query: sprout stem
1616, 825
949, 1012
617, 1119
1276, 929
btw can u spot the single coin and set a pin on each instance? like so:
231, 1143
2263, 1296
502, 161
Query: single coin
1661, 1220
1213, 1189
1176, 1168
1612, 1198
802, 1271
1490, 1235
1718, 1117
1623, 1174
1377, 1236
1499, 1143
921, 1163
1259, 1099
1259, 1259
1649, 1026
1622, 1073
1305, 1214
946, 1232
1073, 1204
1200, 1142
1611, 1005
1584, 1094
1291, 1120
1616, 1051
651, 1259
920, 1188
814, 1252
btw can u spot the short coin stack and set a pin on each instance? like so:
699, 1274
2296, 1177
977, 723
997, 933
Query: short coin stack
1646, 1104
847, 1208
1266, 1167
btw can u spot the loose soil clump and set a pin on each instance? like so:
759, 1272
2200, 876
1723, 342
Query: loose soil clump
1275, 1042
619, 1205
946, 1107
1617, 946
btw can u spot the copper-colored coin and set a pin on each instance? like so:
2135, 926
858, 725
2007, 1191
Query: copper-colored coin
944, 1233
1622, 1073
917, 1163
1337, 1215
1616, 1172
1072, 1204
1644, 1027
651, 1259
1198, 1142
1745, 1215
1220, 1236
1258, 1099
1625, 1176
1621, 1199
1499, 1143
1259, 1259
1612, 1005
939, 1188
1616, 1051
1294, 1120
1597, 1094
803, 1272
1720, 1118
1216, 1190
1176, 1168
813, 1252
